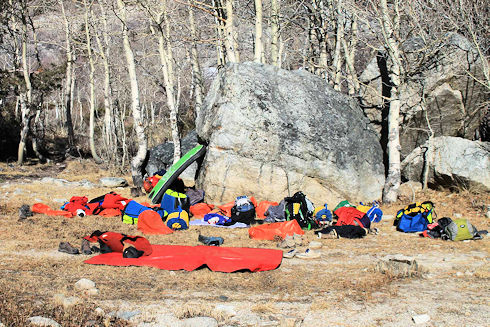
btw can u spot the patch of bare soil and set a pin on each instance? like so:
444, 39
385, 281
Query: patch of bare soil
341, 288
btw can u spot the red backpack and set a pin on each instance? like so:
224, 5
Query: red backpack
352, 216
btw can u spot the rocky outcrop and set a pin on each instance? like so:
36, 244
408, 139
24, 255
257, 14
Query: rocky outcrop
271, 132
456, 163
443, 79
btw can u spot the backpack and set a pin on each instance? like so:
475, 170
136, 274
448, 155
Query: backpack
352, 216
415, 217
243, 211
457, 229
178, 220
172, 201
133, 209
299, 208
322, 215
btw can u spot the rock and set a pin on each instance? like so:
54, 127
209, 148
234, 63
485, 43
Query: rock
288, 321
228, 309
84, 284
42, 321
199, 322
163, 320
421, 319
408, 190
125, 315
162, 155
444, 80
86, 184
112, 182
458, 215
455, 163
66, 302
315, 245
488, 214
272, 132
398, 266
91, 292
99, 312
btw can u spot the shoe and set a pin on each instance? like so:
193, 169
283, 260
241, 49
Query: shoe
68, 248
374, 231
25, 211
315, 245
86, 247
213, 241
290, 254
308, 254
288, 242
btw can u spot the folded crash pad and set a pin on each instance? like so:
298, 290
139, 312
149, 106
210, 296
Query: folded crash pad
177, 257
150, 222
269, 231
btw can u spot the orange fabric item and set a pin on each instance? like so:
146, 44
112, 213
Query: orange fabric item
252, 199
110, 212
114, 201
226, 208
45, 209
149, 205
268, 231
262, 207
150, 222
200, 209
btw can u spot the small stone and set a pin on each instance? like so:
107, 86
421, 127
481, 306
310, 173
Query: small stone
200, 322
66, 302
228, 309
42, 321
172, 273
126, 315
91, 292
468, 273
84, 284
99, 312
458, 215
459, 274
315, 245
223, 298
421, 319
487, 214
113, 182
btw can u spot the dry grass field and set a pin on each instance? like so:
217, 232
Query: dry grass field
341, 288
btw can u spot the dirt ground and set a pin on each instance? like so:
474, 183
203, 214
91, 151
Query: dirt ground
341, 288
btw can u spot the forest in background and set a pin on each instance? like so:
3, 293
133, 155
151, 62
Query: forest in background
111, 78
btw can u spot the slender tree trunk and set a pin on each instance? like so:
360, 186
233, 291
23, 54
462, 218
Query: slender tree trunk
349, 53
393, 180
220, 27
68, 81
138, 159
259, 45
275, 32
196, 68
27, 107
91, 80
337, 58
230, 37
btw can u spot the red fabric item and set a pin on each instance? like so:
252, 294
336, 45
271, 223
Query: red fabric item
150, 222
110, 213
226, 208
114, 201
252, 199
200, 209
268, 231
262, 207
349, 216
116, 241
154, 180
77, 203
176, 257
45, 209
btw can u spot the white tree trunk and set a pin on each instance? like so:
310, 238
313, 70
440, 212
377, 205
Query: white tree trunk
91, 81
27, 99
230, 36
337, 58
259, 45
393, 180
196, 68
139, 158
274, 32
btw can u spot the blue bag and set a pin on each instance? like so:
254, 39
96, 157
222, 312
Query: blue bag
411, 224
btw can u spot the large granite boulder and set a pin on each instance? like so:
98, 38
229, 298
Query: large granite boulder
444, 79
456, 163
272, 132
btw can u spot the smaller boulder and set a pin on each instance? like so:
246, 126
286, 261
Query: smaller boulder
42, 321
200, 322
84, 284
112, 182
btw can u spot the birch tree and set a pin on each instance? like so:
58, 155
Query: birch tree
139, 158
231, 42
198, 83
258, 45
275, 32
91, 83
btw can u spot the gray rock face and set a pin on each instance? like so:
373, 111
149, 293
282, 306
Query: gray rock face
162, 155
42, 321
113, 182
270, 130
452, 95
456, 163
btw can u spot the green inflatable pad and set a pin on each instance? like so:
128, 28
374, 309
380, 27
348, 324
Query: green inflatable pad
195, 153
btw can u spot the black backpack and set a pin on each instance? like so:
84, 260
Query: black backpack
243, 211
298, 207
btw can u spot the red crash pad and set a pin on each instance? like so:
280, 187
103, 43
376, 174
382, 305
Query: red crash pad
268, 231
176, 257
